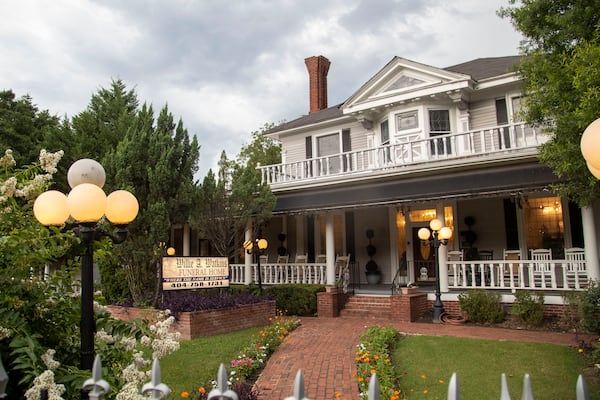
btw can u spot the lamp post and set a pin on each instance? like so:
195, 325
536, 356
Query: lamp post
256, 247
436, 235
87, 204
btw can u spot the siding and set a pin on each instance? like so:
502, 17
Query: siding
483, 114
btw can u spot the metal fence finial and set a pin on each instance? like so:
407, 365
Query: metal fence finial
373, 391
99, 386
453, 388
527, 390
298, 393
159, 390
222, 390
582, 389
504, 394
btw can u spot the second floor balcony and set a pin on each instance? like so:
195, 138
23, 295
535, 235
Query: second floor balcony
411, 154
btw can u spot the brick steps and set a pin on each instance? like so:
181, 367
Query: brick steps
368, 306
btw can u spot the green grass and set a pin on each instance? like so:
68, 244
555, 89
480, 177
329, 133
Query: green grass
425, 365
197, 361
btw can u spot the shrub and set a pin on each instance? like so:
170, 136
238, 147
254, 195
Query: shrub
590, 307
298, 300
185, 301
530, 308
481, 306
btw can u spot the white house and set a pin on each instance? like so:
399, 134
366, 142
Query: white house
413, 143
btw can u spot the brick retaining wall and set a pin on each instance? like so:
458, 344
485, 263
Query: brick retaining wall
207, 322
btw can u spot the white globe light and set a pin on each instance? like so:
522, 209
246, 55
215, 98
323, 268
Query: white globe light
435, 224
121, 207
87, 202
50, 208
424, 233
595, 171
590, 144
445, 233
86, 171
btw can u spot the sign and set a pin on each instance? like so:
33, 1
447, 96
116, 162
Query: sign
194, 272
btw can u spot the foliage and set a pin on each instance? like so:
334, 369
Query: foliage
227, 200
373, 357
561, 72
298, 300
481, 306
590, 307
23, 126
530, 308
181, 301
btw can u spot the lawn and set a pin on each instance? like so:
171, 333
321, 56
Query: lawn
197, 361
425, 365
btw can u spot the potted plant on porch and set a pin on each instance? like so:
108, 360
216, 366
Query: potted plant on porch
372, 269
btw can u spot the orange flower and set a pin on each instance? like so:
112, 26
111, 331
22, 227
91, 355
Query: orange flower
425, 391
185, 394
373, 371
360, 379
202, 390
338, 395
423, 376
441, 381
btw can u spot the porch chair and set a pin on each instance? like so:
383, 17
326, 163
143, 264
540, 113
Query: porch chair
542, 268
512, 270
321, 259
576, 273
486, 254
342, 272
455, 270
264, 260
297, 268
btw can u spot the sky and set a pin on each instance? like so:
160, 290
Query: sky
225, 68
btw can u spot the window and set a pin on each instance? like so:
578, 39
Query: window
329, 145
385, 140
407, 120
439, 124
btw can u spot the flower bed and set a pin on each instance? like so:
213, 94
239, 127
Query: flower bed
195, 324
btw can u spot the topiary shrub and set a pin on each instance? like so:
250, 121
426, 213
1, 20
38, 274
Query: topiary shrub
481, 306
529, 307
298, 300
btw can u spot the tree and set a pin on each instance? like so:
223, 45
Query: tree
23, 126
229, 201
156, 161
561, 71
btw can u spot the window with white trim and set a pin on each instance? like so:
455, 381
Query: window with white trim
439, 124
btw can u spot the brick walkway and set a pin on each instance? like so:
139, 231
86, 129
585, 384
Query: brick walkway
324, 348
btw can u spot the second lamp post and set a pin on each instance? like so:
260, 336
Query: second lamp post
436, 235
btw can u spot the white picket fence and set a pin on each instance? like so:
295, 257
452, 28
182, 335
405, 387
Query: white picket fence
98, 387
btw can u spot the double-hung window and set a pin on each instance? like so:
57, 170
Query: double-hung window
439, 124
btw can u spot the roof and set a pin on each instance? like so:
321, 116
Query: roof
483, 68
478, 69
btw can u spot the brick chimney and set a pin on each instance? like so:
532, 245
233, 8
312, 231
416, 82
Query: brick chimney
317, 66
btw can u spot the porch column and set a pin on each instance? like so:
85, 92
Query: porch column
442, 254
248, 257
330, 249
590, 243
300, 227
393, 229
186, 240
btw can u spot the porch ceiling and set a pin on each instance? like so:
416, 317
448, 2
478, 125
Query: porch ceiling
483, 182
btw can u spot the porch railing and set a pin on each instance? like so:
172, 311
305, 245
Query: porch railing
278, 274
98, 387
518, 274
499, 141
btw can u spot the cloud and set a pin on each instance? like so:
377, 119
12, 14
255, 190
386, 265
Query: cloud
227, 68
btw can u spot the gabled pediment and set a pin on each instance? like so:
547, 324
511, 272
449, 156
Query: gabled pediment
402, 80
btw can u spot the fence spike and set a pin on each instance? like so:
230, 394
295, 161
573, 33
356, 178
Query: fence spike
222, 390
159, 390
582, 389
453, 388
99, 386
504, 394
527, 390
298, 393
373, 391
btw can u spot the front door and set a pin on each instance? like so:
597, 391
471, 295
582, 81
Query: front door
424, 264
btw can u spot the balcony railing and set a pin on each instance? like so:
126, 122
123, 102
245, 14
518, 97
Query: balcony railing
499, 141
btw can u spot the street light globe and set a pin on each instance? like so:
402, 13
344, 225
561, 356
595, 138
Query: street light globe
121, 207
590, 143
87, 202
424, 234
170, 251
50, 208
445, 233
435, 224
247, 245
262, 244
593, 170
86, 171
